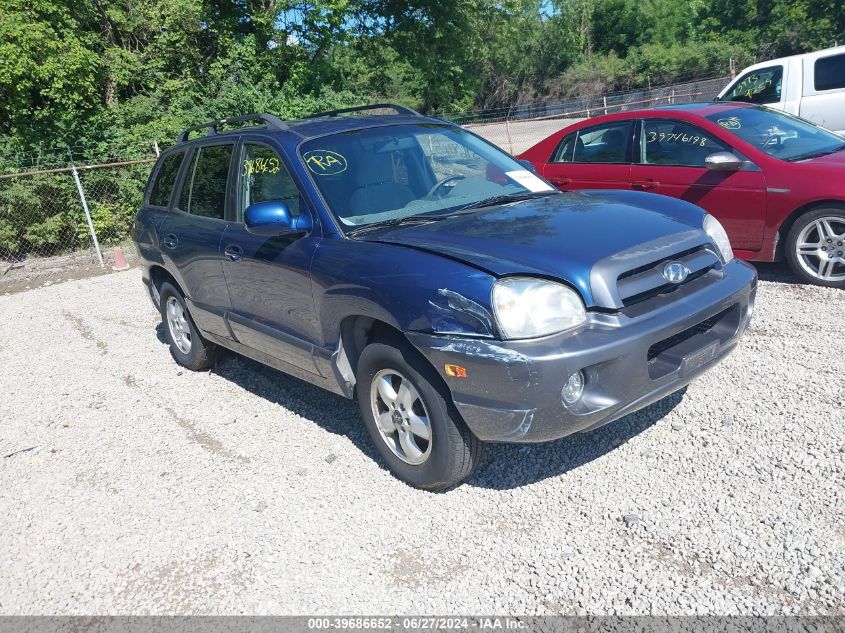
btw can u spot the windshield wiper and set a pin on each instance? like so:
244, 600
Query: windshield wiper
406, 221
427, 218
503, 199
809, 155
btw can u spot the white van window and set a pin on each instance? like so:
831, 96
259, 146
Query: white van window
830, 72
757, 86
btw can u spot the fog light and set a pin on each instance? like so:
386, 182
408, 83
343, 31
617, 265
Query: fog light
573, 388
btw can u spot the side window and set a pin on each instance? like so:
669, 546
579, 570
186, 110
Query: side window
758, 86
162, 187
830, 72
564, 151
602, 144
264, 178
204, 190
676, 143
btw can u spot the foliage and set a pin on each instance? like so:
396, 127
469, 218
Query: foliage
114, 76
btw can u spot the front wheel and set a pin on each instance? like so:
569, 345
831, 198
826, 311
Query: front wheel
411, 419
815, 247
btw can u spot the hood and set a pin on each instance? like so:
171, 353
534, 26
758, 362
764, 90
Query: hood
560, 236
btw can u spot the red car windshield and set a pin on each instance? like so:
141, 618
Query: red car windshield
778, 134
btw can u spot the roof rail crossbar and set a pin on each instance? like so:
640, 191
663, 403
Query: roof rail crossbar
399, 109
270, 120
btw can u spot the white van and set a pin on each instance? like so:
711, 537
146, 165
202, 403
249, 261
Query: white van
811, 86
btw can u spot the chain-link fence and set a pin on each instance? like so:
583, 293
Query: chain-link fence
518, 128
67, 222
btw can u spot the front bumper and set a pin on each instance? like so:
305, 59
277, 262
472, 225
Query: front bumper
512, 392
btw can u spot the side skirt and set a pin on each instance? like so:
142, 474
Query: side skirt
275, 363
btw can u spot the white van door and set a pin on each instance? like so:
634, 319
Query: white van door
823, 102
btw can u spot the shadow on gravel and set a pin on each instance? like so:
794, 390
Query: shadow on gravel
508, 466
333, 413
504, 466
777, 272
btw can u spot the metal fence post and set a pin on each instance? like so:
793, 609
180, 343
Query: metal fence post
508, 129
87, 215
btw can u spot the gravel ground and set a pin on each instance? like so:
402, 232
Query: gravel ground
130, 486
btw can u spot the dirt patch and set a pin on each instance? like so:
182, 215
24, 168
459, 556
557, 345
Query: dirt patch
37, 272
85, 331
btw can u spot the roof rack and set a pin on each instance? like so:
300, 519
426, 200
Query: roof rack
269, 120
399, 109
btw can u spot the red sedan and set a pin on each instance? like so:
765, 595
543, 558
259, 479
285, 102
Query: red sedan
776, 182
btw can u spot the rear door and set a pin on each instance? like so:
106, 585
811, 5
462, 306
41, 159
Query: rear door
157, 199
269, 279
595, 157
190, 236
671, 155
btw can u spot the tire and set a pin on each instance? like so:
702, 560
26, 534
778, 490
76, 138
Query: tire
187, 346
451, 451
815, 247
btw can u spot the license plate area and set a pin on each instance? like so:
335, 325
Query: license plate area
698, 359
687, 356
690, 350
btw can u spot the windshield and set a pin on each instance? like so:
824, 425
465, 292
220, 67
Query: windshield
780, 135
386, 174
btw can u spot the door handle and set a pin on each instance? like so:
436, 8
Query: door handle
561, 182
233, 252
645, 185
170, 241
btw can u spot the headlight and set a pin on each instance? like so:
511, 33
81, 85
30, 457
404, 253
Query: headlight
717, 233
527, 307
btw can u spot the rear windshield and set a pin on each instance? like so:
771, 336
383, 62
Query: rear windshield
778, 134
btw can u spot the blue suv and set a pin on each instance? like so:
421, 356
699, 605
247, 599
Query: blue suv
405, 262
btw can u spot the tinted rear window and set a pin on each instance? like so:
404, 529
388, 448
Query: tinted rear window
165, 179
830, 72
204, 190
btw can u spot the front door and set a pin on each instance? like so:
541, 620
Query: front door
269, 279
671, 162
190, 235
596, 157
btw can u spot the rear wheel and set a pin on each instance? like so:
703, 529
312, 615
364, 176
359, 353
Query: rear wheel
187, 347
411, 419
815, 247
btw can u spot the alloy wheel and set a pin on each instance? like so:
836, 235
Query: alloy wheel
401, 417
177, 322
820, 248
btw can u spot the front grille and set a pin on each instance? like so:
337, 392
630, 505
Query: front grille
650, 265
647, 281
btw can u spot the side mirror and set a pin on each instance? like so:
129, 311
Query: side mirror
723, 161
272, 218
528, 165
